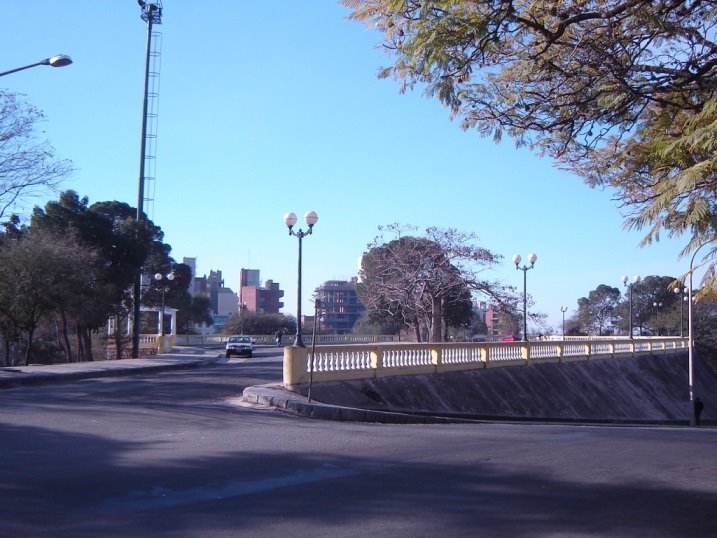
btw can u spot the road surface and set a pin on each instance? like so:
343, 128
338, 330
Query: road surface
172, 454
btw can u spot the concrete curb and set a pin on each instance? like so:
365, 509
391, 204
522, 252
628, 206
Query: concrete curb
277, 397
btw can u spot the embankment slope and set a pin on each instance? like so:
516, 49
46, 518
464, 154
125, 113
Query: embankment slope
642, 389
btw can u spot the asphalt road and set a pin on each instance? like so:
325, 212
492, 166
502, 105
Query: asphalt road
172, 454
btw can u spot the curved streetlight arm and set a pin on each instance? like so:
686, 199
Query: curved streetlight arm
60, 60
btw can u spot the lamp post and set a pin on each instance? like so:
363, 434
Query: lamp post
657, 305
563, 309
61, 60
532, 258
636, 280
690, 335
161, 279
683, 300
290, 219
243, 308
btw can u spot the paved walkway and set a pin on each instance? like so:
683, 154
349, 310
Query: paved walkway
185, 357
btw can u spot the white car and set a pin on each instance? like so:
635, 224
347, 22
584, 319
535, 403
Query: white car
240, 346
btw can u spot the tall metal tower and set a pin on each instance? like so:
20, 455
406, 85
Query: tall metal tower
151, 14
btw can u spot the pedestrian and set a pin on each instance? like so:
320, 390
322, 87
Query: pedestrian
699, 406
279, 337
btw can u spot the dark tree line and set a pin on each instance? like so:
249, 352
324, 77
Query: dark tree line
259, 323
656, 309
71, 269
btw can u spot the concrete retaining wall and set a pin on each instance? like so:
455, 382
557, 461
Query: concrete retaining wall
648, 388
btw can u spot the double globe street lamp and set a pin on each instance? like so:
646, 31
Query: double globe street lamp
164, 281
532, 258
684, 291
290, 220
636, 280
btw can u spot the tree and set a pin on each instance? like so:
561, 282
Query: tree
655, 306
620, 92
597, 311
365, 325
122, 247
28, 166
40, 274
425, 281
259, 323
198, 311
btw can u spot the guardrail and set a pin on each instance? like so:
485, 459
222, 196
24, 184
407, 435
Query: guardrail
366, 361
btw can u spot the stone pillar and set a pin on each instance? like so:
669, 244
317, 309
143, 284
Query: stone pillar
295, 365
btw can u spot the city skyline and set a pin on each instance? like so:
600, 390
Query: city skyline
276, 107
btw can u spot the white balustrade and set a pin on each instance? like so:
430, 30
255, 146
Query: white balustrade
359, 361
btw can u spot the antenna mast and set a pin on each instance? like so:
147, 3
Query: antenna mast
151, 14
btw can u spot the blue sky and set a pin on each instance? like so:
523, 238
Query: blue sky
274, 106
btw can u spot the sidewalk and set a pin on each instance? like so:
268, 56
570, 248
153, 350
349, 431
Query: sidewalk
181, 357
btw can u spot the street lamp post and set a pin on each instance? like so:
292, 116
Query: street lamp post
563, 309
290, 220
657, 306
683, 300
243, 308
61, 60
532, 258
636, 280
164, 281
690, 335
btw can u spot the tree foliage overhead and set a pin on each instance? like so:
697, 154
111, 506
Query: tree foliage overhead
28, 166
621, 92
424, 282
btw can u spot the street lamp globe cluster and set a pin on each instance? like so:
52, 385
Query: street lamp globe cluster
563, 309
684, 291
290, 220
532, 258
163, 280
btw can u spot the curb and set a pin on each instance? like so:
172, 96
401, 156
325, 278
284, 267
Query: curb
275, 396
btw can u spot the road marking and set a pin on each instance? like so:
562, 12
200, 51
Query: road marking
160, 497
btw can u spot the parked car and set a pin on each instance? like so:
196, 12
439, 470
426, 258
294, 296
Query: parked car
240, 346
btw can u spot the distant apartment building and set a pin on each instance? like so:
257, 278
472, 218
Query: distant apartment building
224, 302
492, 323
257, 298
340, 306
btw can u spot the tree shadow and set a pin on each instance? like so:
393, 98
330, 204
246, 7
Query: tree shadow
58, 483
